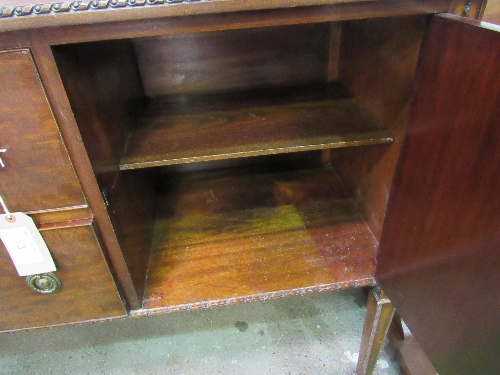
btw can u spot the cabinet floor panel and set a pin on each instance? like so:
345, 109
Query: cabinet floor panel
229, 237
200, 127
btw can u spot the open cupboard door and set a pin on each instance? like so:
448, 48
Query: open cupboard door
439, 257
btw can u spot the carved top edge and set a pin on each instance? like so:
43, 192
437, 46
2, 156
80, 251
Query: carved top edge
79, 6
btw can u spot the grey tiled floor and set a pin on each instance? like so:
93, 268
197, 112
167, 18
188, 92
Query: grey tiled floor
314, 334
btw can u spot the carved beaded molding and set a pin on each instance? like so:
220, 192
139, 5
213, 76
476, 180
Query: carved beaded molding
81, 5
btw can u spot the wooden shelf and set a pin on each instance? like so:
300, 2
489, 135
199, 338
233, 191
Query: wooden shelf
184, 129
246, 234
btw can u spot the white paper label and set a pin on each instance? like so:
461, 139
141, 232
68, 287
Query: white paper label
21, 246
25, 245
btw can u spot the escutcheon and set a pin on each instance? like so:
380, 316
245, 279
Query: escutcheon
44, 283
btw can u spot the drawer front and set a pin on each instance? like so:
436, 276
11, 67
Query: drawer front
88, 291
36, 174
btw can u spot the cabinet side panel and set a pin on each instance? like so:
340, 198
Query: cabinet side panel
439, 252
378, 62
105, 91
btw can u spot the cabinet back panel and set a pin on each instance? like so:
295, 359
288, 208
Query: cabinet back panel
233, 59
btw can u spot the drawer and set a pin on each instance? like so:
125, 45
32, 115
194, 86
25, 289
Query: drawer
88, 291
37, 173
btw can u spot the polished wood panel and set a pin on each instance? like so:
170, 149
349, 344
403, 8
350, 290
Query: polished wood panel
49, 72
37, 174
232, 59
254, 233
132, 209
296, 11
377, 64
438, 260
223, 126
14, 40
104, 88
88, 290
18, 14
233, 19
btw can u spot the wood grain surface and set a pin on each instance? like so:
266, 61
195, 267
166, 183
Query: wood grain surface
88, 291
439, 252
296, 11
237, 235
37, 173
44, 57
212, 127
232, 59
378, 64
104, 88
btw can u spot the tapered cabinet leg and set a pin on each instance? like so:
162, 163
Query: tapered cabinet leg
379, 313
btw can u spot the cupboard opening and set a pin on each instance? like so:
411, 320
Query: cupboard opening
246, 164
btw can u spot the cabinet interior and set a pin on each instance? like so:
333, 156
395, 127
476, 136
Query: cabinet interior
248, 164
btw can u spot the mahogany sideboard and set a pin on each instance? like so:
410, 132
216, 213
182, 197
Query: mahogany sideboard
181, 154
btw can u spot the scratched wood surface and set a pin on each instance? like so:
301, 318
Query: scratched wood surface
184, 129
246, 234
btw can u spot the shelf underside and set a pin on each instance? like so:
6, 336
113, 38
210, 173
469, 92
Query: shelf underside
184, 129
229, 238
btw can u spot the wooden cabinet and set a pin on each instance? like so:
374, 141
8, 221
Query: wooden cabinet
242, 155
238, 164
